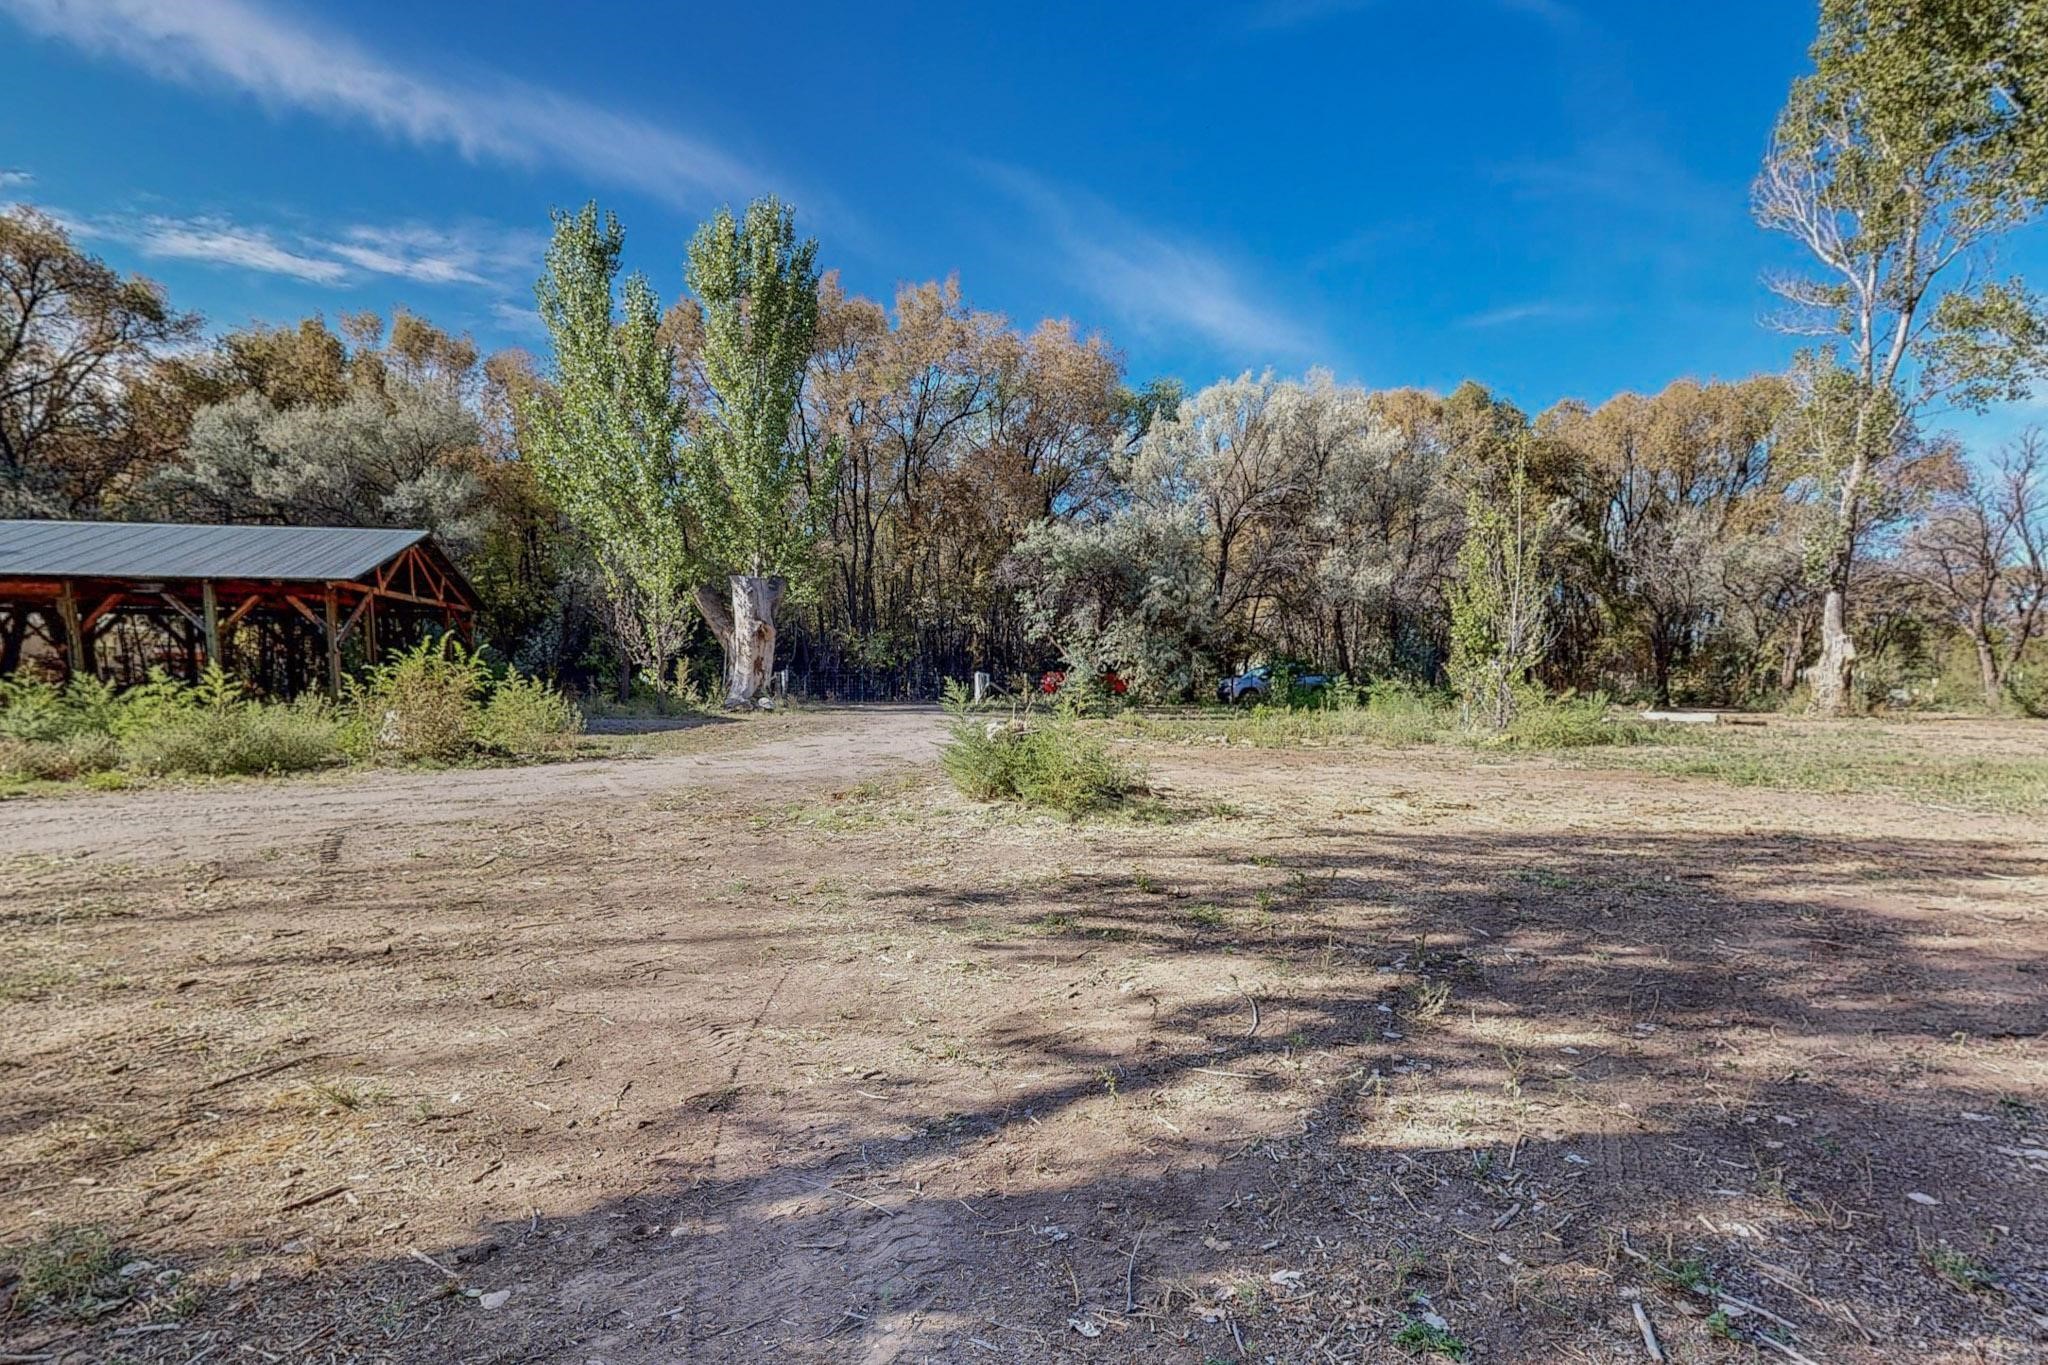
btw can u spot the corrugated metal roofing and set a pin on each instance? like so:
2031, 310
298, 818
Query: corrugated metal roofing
122, 549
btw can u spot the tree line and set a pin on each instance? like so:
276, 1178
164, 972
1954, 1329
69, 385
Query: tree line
916, 488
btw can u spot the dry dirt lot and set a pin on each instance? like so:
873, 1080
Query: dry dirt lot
778, 1050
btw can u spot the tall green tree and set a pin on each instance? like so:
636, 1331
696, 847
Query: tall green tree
607, 440
1919, 138
755, 483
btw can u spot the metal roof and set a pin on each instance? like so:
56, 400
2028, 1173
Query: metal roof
122, 549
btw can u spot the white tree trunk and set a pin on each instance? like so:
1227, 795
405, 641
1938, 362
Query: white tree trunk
1833, 671
746, 631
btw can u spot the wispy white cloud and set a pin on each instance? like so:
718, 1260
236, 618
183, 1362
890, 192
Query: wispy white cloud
430, 255
242, 46
516, 318
1155, 284
471, 255
13, 177
216, 241
1538, 310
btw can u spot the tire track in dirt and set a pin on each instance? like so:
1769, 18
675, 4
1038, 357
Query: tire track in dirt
708, 1167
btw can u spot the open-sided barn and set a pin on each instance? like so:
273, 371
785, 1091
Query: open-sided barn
281, 606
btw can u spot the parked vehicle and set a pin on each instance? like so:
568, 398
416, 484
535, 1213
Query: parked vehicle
1255, 684
1054, 679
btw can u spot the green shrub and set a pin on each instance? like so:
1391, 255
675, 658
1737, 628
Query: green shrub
33, 710
525, 717
1401, 713
1566, 722
237, 738
439, 703
1038, 759
423, 706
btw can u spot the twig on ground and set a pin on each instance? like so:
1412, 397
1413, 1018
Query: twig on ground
1650, 1342
1766, 1339
307, 1201
1746, 1306
425, 1259
257, 1073
856, 1198
1130, 1270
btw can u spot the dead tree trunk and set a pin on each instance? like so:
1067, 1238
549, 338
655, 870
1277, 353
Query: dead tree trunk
1832, 673
746, 632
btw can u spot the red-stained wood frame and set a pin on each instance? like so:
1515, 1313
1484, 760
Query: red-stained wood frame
417, 581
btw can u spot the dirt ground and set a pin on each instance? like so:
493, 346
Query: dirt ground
779, 1050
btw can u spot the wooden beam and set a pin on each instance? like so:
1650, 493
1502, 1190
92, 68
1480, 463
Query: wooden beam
249, 604
348, 627
92, 618
333, 644
301, 608
190, 615
74, 632
211, 607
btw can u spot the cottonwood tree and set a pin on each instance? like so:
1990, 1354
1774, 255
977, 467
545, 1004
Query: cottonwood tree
606, 440
1920, 137
77, 343
752, 483
1669, 483
1984, 550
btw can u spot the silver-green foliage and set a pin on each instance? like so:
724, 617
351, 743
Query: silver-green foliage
373, 459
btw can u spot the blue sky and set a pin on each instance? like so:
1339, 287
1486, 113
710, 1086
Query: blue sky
1549, 196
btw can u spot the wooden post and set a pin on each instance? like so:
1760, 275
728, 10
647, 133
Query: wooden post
370, 631
333, 645
74, 635
211, 611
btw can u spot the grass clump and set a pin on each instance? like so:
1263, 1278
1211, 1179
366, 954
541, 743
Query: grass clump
1033, 758
72, 1272
1964, 1272
1421, 1338
238, 738
1566, 722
